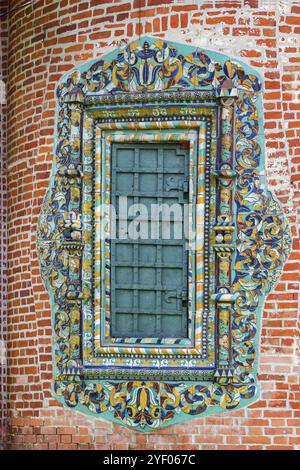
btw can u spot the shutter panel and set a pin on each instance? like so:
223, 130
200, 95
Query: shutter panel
149, 274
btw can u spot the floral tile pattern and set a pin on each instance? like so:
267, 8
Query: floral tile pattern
249, 236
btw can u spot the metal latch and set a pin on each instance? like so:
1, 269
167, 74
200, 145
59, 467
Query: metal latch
179, 295
177, 183
186, 185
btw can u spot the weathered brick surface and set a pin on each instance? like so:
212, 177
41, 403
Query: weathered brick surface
3, 238
45, 42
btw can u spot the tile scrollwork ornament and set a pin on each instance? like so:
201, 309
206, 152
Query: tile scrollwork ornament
161, 91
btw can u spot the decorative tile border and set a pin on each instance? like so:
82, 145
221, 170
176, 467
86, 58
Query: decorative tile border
143, 354
158, 136
251, 242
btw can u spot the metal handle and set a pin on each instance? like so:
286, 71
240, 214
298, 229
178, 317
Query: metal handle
179, 294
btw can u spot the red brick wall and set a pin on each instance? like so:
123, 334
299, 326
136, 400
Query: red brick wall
3, 214
45, 42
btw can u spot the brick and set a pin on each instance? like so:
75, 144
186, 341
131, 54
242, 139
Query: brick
221, 19
293, 20
174, 21
42, 47
261, 21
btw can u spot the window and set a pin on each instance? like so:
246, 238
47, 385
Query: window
154, 237
149, 271
176, 164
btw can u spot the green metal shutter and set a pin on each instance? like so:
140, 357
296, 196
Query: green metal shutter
149, 276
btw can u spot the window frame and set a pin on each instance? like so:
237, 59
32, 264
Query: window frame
250, 240
193, 361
